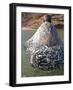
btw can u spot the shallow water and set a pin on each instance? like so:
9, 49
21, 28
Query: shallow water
26, 68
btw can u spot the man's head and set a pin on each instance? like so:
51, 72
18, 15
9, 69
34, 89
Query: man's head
47, 18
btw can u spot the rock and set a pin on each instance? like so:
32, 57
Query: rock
49, 57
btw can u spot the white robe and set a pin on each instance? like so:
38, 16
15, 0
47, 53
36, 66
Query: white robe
46, 34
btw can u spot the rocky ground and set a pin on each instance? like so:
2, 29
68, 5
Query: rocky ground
49, 57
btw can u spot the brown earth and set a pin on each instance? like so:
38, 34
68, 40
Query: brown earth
34, 20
